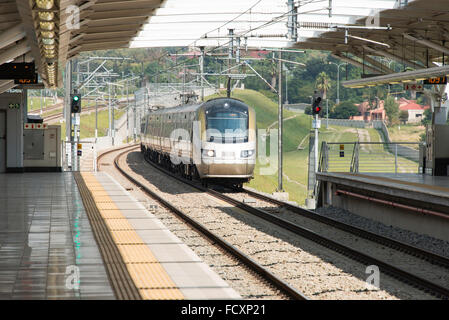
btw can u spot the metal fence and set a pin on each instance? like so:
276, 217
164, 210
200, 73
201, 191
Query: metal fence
393, 157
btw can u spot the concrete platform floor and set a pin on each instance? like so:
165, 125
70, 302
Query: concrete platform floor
178, 264
47, 249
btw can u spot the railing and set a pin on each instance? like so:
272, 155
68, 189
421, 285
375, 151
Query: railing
393, 157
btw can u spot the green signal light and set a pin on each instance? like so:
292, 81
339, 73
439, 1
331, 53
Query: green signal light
76, 98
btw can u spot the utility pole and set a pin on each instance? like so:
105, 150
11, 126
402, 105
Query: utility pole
135, 119
127, 110
184, 85
96, 121
109, 111
338, 79
202, 72
113, 122
67, 112
41, 102
292, 21
280, 187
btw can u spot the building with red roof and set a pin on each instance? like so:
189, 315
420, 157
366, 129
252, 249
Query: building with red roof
376, 111
415, 110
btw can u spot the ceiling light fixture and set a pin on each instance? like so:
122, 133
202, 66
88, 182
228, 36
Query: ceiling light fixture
48, 41
45, 4
47, 34
46, 16
46, 25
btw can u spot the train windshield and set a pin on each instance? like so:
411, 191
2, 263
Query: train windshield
227, 123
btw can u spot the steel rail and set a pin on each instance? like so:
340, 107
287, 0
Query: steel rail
236, 253
386, 241
393, 271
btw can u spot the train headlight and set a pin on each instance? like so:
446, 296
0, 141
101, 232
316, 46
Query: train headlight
246, 153
209, 153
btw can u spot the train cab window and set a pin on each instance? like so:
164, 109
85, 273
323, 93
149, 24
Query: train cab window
230, 119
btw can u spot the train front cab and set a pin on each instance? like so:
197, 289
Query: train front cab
228, 141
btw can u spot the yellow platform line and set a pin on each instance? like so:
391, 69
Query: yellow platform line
149, 276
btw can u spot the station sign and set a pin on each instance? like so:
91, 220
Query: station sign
436, 80
14, 105
29, 126
414, 87
28, 80
316, 124
20, 70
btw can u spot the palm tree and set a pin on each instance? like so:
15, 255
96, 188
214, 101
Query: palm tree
322, 83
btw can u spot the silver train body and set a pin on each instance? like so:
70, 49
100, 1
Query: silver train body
212, 140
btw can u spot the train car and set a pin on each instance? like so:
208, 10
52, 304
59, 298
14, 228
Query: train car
214, 140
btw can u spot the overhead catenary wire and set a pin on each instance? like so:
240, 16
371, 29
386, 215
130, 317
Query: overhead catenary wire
242, 34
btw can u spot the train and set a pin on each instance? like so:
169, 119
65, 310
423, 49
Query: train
213, 141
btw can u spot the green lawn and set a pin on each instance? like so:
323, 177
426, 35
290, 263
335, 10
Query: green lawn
34, 103
88, 124
408, 132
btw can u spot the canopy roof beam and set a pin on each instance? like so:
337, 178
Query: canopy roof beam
427, 43
355, 63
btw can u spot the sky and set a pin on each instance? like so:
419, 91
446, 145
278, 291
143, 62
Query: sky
183, 23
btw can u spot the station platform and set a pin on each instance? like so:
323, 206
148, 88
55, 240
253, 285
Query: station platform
46, 242
415, 202
50, 247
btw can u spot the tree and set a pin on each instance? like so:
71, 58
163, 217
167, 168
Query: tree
344, 110
391, 109
427, 117
403, 116
322, 83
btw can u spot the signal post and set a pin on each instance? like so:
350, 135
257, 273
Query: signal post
316, 124
313, 153
75, 110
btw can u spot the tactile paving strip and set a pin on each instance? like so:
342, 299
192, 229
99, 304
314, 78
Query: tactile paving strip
119, 224
147, 273
137, 254
120, 279
161, 294
112, 214
126, 237
151, 276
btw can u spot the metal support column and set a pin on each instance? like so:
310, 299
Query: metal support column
202, 73
67, 113
280, 186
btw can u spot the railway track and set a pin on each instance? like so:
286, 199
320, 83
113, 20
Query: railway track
395, 272
59, 115
252, 265
391, 243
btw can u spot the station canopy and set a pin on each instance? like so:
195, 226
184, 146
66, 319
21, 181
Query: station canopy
258, 23
411, 32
